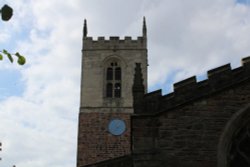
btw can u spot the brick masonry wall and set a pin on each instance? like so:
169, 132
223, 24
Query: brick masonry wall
95, 143
124, 161
187, 135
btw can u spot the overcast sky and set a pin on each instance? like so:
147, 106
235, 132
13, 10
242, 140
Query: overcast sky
39, 102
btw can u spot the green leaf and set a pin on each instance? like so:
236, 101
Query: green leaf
10, 57
5, 52
6, 12
21, 59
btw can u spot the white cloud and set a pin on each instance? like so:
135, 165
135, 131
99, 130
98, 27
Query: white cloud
43, 122
195, 36
185, 39
4, 36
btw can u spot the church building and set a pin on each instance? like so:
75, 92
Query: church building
205, 123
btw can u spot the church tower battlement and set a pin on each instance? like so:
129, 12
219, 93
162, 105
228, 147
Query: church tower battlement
115, 43
102, 58
106, 102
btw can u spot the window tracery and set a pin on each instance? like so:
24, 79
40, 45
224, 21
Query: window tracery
240, 149
113, 79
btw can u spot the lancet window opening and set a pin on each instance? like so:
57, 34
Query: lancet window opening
113, 79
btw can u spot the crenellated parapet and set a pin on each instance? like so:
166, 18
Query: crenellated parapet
189, 89
114, 43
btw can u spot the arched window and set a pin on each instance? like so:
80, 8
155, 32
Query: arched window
118, 90
118, 73
113, 79
109, 73
239, 152
234, 143
109, 92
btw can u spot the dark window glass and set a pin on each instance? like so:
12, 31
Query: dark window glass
117, 90
239, 152
118, 73
109, 73
109, 90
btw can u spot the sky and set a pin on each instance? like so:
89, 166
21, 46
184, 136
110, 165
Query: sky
39, 102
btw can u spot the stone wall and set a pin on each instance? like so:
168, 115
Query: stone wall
114, 43
184, 128
96, 53
95, 143
190, 127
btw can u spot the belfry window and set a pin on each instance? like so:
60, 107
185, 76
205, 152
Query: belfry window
117, 90
109, 73
109, 90
118, 73
113, 80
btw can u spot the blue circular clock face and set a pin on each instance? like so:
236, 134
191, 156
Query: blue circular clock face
117, 127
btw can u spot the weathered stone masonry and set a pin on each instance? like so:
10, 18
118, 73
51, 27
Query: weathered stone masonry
97, 110
194, 126
204, 123
184, 128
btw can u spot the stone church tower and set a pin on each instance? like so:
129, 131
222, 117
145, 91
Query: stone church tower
106, 103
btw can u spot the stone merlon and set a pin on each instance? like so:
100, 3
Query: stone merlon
114, 43
189, 89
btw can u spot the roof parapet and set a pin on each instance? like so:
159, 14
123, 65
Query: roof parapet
110, 44
101, 38
220, 76
185, 84
219, 70
189, 89
114, 38
246, 64
245, 60
114, 42
154, 93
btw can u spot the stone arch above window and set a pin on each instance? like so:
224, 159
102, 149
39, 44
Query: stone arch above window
234, 139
